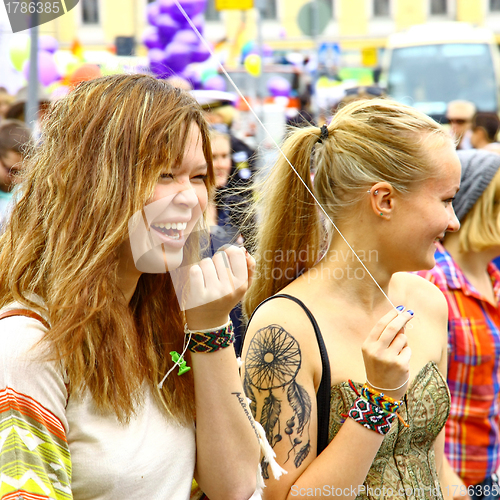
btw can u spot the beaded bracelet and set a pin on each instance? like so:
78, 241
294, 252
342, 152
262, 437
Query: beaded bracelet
380, 399
210, 340
371, 416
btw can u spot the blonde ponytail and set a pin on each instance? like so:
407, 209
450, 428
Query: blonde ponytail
289, 234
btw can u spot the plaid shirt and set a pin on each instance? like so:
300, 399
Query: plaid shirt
473, 428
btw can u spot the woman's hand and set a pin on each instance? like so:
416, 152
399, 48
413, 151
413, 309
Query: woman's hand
387, 355
216, 285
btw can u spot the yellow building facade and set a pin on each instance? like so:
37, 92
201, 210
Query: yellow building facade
354, 23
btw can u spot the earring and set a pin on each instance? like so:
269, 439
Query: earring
381, 214
375, 192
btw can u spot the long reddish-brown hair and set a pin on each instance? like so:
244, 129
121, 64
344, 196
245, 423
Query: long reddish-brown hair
102, 150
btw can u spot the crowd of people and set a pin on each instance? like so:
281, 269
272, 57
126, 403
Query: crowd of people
139, 258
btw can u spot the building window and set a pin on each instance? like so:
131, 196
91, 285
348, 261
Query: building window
268, 10
495, 5
381, 8
90, 11
211, 14
439, 8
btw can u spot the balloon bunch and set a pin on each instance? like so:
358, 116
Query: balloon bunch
172, 43
19, 52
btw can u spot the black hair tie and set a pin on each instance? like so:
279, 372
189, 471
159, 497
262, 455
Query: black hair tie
324, 134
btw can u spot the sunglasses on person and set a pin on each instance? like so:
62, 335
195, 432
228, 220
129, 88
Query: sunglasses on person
458, 121
375, 91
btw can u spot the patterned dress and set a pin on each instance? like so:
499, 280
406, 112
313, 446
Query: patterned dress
404, 467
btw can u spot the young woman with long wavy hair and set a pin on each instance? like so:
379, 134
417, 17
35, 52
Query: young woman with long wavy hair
88, 328
353, 404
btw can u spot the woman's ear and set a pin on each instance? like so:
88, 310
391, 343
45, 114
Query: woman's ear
382, 199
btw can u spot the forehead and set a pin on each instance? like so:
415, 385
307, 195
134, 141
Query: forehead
10, 158
193, 151
446, 169
221, 141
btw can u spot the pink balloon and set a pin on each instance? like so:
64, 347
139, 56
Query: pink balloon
47, 69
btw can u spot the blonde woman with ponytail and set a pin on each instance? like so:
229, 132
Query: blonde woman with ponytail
345, 361
118, 381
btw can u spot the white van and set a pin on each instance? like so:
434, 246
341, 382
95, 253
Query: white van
431, 64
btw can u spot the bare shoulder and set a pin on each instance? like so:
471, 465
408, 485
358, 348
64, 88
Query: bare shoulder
421, 295
282, 312
280, 327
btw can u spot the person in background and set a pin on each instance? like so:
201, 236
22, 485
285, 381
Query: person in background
464, 272
225, 211
5, 102
459, 115
15, 138
95, 394
326, 342
485, 127
219, 110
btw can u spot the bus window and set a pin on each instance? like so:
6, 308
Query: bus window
429, 76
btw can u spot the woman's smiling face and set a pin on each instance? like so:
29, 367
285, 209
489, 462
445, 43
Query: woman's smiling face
159, 233
428, 211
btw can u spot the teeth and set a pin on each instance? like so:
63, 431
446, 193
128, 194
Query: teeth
179, 226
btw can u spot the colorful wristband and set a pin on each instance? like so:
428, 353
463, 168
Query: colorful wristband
210, 340
371, 416
384, 402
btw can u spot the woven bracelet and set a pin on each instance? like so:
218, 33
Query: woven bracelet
387, 403
371, 416
211, 340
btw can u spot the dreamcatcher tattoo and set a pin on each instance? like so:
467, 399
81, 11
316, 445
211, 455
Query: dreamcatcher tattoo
272, 363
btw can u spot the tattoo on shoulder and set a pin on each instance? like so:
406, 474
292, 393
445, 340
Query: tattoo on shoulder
272, 363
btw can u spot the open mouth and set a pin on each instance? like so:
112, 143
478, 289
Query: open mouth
173, 230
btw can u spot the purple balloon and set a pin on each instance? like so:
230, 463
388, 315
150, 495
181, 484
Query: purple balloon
192, 76
48, 43
153, 12
199, 22
191, 7
157, 61
167, 28
167, 6
279, 86
152, 39
177, 56
200, 53
47, 69
186, 37
215, 83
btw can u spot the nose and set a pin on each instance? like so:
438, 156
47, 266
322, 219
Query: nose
453, 223
186, 197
